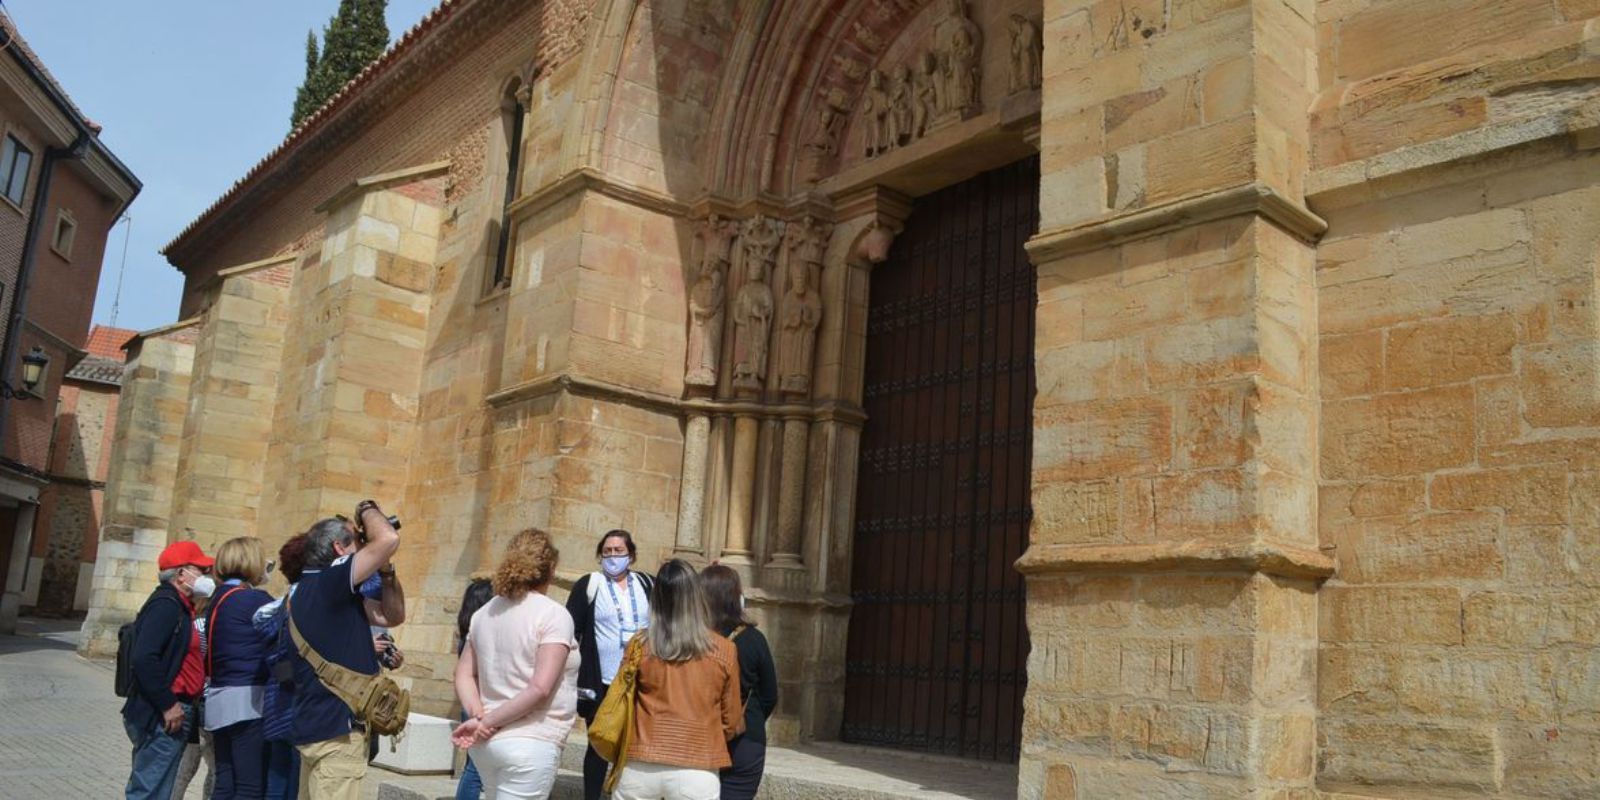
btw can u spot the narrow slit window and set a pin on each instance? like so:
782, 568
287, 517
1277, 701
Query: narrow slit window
512, 112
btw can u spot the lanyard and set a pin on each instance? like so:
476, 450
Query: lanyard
633, 600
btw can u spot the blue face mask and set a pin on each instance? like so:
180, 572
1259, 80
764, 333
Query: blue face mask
615, 565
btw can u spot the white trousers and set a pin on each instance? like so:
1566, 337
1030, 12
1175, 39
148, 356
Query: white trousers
642, 780
524, 769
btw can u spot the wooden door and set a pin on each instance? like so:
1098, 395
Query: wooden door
937, 655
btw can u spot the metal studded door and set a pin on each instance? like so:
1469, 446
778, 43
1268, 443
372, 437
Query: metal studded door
937, 656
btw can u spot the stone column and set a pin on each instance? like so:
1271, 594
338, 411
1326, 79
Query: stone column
791, 494
692, 493
741, 498
1174, 490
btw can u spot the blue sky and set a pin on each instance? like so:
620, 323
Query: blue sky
192, 93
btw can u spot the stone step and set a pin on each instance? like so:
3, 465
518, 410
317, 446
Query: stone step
813, 771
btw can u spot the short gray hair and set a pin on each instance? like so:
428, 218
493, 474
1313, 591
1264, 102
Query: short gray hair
166, 575
322, 537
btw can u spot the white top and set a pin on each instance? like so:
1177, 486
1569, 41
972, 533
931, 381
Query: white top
505, 637
616, 619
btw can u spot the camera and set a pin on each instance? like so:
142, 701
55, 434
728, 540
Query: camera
393, 520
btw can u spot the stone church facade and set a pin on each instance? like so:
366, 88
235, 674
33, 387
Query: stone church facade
1181, 398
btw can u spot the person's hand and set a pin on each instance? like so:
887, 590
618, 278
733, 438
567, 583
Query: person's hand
398, 657
172, 718
470, 733
379, 645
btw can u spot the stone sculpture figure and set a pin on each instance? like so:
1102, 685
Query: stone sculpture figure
752, 306
925, 86
1025, 54
957, 41
900, 103
875, 104
706, 303
830, 119
802, 306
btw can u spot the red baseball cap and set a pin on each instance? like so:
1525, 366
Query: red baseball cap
180, 554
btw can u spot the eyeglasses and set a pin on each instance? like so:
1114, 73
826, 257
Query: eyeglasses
614, 551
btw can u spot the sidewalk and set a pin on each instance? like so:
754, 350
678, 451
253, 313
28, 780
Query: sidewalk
61, 737
60, 723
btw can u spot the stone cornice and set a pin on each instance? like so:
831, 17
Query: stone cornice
244, 269
382, 181
593, 180
1575, 127
1124, 227
821, 411
1192, 556
163, 330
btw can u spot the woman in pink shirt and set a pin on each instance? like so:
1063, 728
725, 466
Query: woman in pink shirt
518, 675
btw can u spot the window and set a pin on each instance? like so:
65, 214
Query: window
66, 227
15, 159
512, 112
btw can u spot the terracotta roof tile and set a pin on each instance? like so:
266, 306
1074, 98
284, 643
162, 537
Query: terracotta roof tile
107, 342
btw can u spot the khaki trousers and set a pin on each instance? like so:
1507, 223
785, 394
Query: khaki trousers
332, 769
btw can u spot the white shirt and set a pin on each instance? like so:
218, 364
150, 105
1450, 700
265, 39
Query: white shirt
613, 627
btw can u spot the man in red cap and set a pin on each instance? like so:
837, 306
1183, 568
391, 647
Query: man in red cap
167, 671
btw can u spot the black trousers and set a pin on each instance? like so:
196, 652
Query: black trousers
740, 781
594, 767
241, 761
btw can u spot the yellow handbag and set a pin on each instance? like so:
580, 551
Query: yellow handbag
613, 722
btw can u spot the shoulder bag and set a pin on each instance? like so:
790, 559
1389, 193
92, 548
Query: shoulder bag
376, 700
612, 728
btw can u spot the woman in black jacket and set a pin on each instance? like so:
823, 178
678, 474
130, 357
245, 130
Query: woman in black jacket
758, 681
608, 607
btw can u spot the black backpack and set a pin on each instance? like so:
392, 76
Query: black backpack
122, 683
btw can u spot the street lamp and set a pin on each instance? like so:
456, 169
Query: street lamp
33, 365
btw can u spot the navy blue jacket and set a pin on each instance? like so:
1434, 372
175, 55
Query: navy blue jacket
161, 636
238, 655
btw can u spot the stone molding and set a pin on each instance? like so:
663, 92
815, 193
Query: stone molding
1191, 556
1578, 125
163, 330
245, 269
1117, 229
591, 179
382, 180
828, 411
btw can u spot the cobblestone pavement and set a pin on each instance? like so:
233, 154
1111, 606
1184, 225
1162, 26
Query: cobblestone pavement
60, 723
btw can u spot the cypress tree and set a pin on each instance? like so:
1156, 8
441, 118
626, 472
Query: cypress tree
355, 36
302, 96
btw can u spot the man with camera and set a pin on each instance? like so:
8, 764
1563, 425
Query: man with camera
335, 665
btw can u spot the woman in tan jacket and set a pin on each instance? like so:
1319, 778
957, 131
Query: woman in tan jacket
688, 706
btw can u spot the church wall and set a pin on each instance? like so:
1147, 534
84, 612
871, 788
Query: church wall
1458, 457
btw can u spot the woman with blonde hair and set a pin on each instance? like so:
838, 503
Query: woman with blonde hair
688, 697
517, 677
236, 660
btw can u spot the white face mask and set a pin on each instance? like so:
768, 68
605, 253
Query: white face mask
203, 586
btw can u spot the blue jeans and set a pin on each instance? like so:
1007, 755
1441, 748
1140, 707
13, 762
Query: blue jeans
156, 754
283, 771
471, 786
241, 756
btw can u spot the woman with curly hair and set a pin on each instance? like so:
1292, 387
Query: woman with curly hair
517, 677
